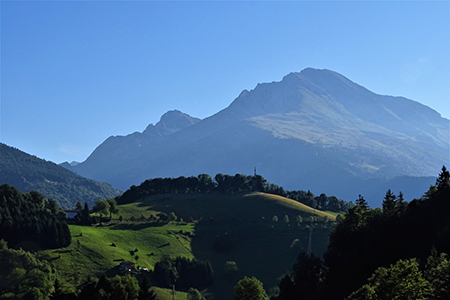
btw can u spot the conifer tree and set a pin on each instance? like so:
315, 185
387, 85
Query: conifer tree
443, 181
146, 292
401, 204
361, 202
85, 218
389, 203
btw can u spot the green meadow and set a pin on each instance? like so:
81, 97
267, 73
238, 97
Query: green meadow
261, 230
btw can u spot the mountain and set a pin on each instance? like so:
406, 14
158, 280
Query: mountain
27, 172
114, 153
314, 130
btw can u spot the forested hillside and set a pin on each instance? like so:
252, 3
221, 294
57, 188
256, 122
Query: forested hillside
27, 173
210, 236
228, 185
30, 221
399, 251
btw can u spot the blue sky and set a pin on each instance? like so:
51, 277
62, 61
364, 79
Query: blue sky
74, 73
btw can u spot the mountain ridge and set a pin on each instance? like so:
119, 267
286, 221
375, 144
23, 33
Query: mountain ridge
27, 172
290, 129
131, 145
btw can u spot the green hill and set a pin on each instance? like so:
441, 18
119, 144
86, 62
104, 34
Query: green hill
27, 172
243, 223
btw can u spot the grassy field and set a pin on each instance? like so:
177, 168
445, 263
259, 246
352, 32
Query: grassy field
333, 213
261, 247
92, 251
242, 207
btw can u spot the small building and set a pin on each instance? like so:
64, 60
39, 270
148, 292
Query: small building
126, 266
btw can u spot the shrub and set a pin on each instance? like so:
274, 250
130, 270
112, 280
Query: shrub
172, 217
231, 270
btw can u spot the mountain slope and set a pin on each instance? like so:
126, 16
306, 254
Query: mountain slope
115, 152
313, 130
27, 172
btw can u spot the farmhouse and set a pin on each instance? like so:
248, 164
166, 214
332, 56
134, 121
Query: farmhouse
126, 266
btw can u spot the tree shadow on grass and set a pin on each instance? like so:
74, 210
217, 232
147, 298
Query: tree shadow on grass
113, 272
63, 251
136, 226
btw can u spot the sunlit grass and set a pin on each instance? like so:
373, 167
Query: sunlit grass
262, 246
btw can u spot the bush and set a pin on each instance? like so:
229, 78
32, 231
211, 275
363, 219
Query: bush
231, 270
172, 217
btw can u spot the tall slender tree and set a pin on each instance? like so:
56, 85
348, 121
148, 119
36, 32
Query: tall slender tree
443, 180
361, 202
389, 203
146, 292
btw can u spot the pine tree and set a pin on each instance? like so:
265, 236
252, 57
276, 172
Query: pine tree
401, 204
389, 203
85, 218
361, 202
443, 181
146, 292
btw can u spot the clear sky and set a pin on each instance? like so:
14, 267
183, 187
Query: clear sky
74, 73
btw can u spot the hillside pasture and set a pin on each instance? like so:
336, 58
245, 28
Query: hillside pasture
96, 250
245, 208
244, 223
260, 246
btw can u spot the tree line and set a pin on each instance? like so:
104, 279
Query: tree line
103, 207
183, 272
229, 185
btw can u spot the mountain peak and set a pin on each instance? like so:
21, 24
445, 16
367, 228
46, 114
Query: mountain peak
319, 77
170, 122
309, 121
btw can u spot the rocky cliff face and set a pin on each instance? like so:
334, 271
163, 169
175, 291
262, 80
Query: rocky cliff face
312, 130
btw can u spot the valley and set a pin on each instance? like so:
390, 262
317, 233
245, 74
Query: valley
315, 131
